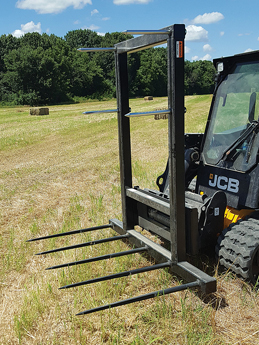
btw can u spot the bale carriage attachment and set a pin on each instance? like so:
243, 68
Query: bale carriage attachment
163, 214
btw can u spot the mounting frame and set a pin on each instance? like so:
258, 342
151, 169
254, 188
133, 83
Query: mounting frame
138, 205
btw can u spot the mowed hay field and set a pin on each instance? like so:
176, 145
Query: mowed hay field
60, 172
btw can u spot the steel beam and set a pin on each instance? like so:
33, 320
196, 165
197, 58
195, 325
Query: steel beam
124, 138
149, 200
145, 41
175, 49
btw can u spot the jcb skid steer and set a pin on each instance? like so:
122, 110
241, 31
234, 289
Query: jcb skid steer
211, 178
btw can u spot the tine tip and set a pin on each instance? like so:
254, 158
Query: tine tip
31, 240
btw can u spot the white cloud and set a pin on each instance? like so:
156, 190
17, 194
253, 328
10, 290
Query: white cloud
93, 27
196, 33
222, 33
207, 48
94, 12
51, 6
128, 2
246, 34
206, 57
187, 49
208, 18
248, 50
28, 27
106, 18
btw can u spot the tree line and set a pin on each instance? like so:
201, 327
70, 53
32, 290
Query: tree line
39, 69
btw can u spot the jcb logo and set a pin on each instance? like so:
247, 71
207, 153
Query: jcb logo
224, 183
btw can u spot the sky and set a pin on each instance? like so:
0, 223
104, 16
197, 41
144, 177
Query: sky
214, 28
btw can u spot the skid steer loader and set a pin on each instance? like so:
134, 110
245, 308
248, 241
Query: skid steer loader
208, 195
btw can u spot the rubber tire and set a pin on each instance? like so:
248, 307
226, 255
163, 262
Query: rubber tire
238, 248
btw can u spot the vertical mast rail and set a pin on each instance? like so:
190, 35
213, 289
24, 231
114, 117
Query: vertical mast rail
124, 138
176, 142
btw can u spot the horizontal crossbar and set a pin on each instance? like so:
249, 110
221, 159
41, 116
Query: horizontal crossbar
144, 41
149, 200
145, 32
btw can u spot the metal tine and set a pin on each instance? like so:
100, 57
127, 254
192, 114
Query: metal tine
119, 275
148, 113
89, 50
86, 244
100, 111
73, 232
99, 258
143, 297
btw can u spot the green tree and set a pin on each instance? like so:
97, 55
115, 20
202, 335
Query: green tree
87, 79
83, 38
199, 77
45, 69
7, 44
35, 75
151, 76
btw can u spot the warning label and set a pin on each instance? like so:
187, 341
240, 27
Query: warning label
179, 49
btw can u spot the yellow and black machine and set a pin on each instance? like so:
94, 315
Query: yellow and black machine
208, 195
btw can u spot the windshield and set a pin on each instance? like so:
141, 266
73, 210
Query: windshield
235, 107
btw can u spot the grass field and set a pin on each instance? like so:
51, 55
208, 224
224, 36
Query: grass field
61, 172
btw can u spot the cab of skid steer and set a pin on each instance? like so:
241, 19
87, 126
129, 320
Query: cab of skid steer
229, 151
